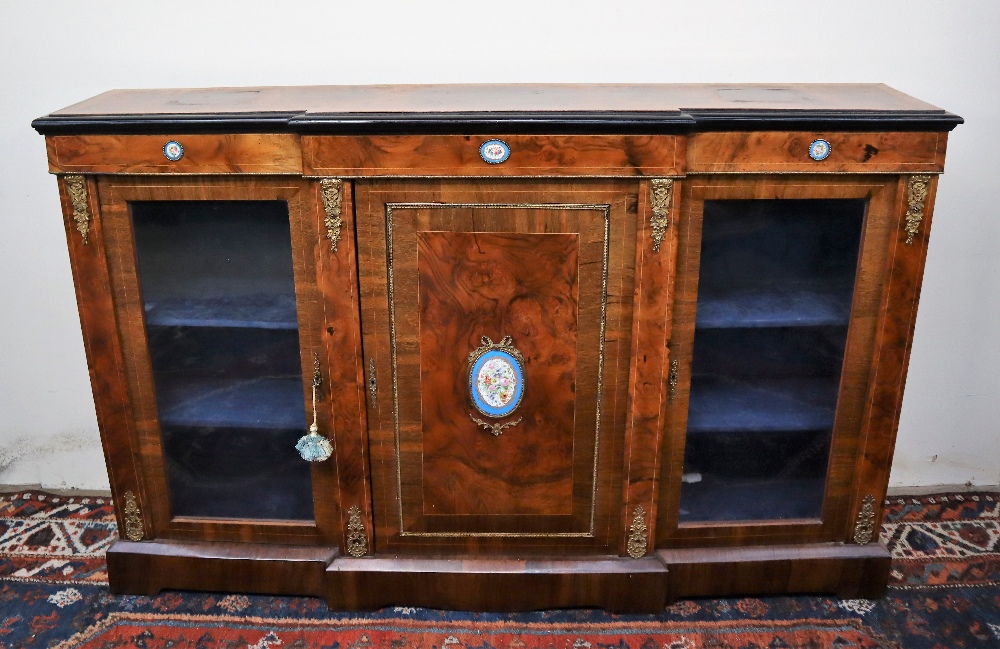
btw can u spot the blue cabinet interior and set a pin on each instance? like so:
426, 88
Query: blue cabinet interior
219, 301
776, 280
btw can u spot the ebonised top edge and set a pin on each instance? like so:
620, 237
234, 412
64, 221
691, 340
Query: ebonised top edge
774, 120
513, 123
541, 123
499, 123
163, 124
800, 120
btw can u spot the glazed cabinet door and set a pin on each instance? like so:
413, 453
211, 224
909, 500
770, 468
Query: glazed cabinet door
220, 317
779, 294
498, 329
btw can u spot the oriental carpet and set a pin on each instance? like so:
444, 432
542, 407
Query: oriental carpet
944, 594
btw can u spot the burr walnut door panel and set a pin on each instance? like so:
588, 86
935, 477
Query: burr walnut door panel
497, 322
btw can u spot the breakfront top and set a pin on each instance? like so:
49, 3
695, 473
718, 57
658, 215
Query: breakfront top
516, 108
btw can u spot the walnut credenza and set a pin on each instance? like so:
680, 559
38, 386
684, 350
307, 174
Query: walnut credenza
499, 347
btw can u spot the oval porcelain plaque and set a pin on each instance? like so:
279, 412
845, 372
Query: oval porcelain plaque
494, 151
819, 150
497, 383
173, 150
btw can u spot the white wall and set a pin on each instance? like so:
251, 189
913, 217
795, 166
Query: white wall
53, 54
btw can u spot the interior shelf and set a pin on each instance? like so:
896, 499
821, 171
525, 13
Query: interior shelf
236, 473
254, 311
714, 499
262, 403
731, 405
798, 305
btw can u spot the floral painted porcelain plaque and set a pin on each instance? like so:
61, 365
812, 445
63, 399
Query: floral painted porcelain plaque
496, 378
494, 151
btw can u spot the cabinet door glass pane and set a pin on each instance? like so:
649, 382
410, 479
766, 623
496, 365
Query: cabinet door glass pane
219, 300
774, 302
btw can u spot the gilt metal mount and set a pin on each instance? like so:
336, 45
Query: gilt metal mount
864, 528
331, 190
133, 518
357, 542
916, 198
76, 186
637, 542
496, 428
661, 191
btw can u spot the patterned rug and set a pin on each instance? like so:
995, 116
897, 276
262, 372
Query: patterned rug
944, 594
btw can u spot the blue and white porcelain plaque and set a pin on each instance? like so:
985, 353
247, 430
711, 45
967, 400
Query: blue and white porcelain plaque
819, 150
173, 150
497, 383
494, 151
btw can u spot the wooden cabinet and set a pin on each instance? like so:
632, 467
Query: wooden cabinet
499, 347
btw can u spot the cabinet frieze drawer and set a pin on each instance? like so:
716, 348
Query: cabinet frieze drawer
460, 155
815, 152
262, 153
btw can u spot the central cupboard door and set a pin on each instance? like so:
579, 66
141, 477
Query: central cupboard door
497, 320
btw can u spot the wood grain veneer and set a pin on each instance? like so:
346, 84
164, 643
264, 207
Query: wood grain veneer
618, 585
226, 153
849, 571
344, 384
458, 155
148, 568
902, 270
649, 390
431, 98
105, 360
531, 283
788, 152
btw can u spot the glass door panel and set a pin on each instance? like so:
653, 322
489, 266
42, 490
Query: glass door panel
775, 287
219, 299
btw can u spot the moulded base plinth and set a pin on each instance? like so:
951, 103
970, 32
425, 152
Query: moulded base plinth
848, 571
620, 585
147, 567
616, 584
